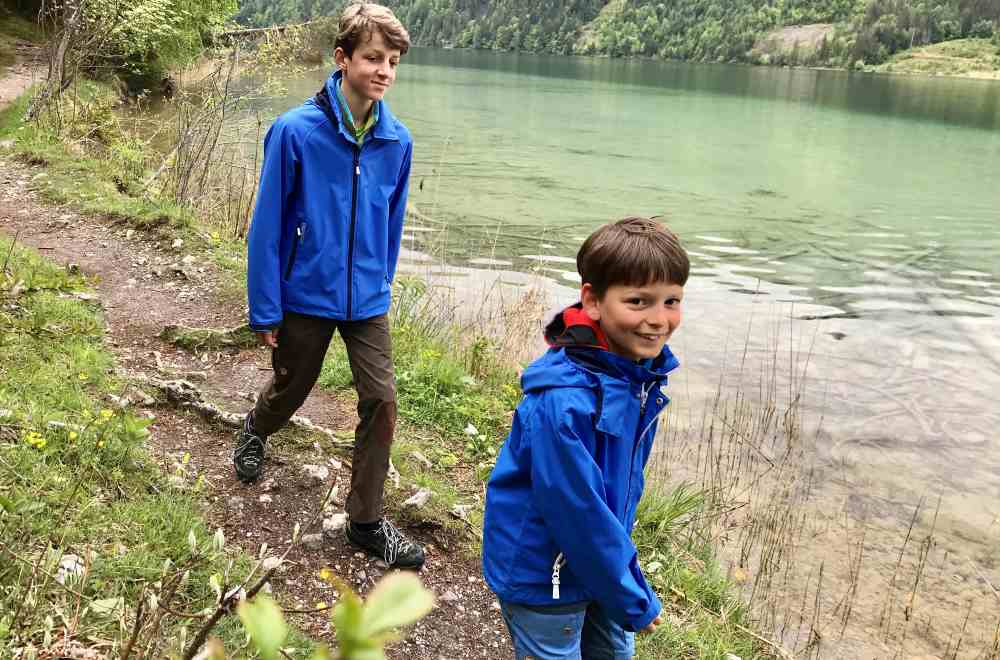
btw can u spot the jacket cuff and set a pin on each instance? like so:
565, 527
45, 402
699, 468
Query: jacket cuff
256, 327
647, 617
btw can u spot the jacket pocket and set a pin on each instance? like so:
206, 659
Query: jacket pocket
299, 233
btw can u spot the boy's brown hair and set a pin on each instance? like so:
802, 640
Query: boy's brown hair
632, 252
361, 18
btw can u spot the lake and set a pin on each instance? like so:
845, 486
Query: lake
845, 235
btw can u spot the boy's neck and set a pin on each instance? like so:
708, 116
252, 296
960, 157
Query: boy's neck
360, 106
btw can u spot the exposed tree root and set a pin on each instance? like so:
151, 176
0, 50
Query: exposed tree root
202, 339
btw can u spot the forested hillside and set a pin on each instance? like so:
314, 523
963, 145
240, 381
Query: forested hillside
866, 31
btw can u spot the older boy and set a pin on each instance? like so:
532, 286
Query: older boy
561, 502
322, 255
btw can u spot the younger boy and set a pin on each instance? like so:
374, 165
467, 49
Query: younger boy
322, 255
562, 498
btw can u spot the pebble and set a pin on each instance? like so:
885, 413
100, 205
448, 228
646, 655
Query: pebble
419, 499
316, 473
313, 541
333, 525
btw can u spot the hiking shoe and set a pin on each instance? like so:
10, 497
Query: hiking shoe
388, 543
248, 456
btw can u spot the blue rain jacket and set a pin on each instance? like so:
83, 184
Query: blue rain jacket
561, 502
329, 217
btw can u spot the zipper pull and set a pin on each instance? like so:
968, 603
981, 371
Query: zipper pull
643, 397
556, 567
357, 170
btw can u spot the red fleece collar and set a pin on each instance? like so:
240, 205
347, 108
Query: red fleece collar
575, 316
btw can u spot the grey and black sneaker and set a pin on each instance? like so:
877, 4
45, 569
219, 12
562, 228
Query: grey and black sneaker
386, 542
248, 456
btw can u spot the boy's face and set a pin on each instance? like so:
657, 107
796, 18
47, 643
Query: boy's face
638, 320
370, 71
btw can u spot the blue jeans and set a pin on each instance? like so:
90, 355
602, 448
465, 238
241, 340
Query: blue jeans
566, 632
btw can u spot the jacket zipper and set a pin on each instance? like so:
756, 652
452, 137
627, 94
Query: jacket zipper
299, 231
643, 398
350, 239
556, 568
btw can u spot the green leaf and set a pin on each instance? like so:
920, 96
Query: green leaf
107, 606
399, 599
263, 620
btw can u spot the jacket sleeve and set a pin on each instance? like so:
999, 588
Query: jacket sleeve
277, 182
397, 212
568, 490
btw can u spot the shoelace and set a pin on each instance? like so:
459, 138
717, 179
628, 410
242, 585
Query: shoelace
250, 452
395, 542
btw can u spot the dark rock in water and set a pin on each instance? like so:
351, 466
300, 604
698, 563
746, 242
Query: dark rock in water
837, 335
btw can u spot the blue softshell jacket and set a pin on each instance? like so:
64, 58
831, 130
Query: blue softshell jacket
326, 230
562, 498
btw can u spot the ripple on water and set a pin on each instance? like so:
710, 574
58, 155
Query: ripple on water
485, 261
714, 239
971, 273
549, 258
730, 249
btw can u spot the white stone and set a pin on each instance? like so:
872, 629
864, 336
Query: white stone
271, 563
449, 596
316, 473
129, 233
312, 540
177, 244
265, 498
333, 525
188, 260
419, 499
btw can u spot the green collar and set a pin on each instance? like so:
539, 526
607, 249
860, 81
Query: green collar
359, 133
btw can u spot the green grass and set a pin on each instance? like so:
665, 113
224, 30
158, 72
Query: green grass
76, 478
961, 57
703, 615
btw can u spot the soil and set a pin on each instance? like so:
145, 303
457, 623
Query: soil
139, 294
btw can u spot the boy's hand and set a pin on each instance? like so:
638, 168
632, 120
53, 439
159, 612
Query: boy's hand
652, 626
268, 338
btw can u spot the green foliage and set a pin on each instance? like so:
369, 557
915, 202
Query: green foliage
75, 479
363, 628
678, 562
142, 40
701, 30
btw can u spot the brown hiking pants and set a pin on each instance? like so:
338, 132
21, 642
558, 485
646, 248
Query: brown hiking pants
302, 345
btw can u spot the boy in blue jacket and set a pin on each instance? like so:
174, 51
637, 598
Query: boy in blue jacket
561, 501
322, 255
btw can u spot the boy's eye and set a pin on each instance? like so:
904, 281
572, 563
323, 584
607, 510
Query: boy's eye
634, 301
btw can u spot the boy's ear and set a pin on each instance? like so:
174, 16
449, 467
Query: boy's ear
340, 57
590, 301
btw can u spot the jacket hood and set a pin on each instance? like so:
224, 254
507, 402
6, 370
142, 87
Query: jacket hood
325, 98
580, 355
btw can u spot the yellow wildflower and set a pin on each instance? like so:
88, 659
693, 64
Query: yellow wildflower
320, 605
82, 376
100, 443
326, 575
107, 414
73, 436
